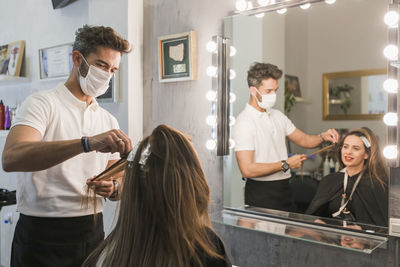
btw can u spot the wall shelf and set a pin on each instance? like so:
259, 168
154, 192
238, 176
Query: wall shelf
12, 80
302, 100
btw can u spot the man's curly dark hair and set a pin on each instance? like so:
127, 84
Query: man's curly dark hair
262, 71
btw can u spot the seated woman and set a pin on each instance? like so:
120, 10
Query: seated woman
359, 191
163, 218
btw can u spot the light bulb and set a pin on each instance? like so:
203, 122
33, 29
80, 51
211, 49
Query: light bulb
232, 51
391, 19
241, 5
232, 120
282, 11
211, 120
212, 71
263, 2
232, 97
305, 6
211, 95
231, 143
232, 74
390, 152
330, 2
391, 52
211, 47
390, 119
260, 15
249, 5
211, 144
391, 86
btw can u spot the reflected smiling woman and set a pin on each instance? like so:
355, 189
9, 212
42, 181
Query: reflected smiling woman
358, 192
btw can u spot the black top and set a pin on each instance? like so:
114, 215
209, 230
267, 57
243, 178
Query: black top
369, 203
214, 262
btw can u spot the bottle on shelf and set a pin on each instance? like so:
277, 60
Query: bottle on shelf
7, 119
326, 166
331, 166
2, 115
337, 166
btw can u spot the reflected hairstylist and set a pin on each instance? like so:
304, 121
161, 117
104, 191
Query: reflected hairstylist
260, 136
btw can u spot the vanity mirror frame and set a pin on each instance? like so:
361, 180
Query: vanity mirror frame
391, 71
346, 74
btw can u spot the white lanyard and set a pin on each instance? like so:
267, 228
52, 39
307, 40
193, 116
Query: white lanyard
343, 203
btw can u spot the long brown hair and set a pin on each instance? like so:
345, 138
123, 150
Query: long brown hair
374, 166
163, 219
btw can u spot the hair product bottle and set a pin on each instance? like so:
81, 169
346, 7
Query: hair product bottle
7, 119
2, 115
326, 166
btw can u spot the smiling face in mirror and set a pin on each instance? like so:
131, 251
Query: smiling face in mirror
305, 44
353, 153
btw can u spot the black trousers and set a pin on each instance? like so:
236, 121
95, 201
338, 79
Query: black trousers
275, 195
55, 242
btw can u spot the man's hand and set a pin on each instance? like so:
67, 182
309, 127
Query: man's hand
111, 141
330, 135
103, 188
296, 161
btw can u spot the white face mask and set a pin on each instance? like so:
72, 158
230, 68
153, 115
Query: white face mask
96, 81
267, 101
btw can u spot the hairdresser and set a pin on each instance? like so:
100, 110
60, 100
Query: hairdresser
260, 136
64, 137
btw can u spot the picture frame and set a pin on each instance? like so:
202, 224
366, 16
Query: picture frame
292, 85
112, 94
4, 59
15, 54
178, 57
56, 61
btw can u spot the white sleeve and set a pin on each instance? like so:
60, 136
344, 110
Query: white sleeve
289, 127
35, 112
243, 133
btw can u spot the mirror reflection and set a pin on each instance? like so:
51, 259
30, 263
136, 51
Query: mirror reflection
354, 94
305, 44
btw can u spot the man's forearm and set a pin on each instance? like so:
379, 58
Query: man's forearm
37, 156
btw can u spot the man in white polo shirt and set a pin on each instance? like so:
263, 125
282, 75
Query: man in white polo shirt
260, 136
64, 137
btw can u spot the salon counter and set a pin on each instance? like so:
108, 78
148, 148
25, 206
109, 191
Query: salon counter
254, 238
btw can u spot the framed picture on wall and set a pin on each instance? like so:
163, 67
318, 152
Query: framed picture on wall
292, 84
178, 58
56, 61
112, 93
15, 54
4, 59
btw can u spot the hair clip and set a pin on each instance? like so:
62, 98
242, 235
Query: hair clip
365, 141
145, 155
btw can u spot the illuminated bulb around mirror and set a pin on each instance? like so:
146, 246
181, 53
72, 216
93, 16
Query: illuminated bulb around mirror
241, 5
211, 144
249, 5
212, 71
390, 152
232, 74
261, 15
232, 97
232, 120
392, 19
211, 120
305, 6
391, 52
211, 47
232, 51
211, 95
390, 119
263, 2
330, 2
391, 86
282, 11
231, 143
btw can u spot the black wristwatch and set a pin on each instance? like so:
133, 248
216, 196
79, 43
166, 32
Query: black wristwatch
285, 166
116, 189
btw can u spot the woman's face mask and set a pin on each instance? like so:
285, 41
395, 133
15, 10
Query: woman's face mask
267, 101
96, 81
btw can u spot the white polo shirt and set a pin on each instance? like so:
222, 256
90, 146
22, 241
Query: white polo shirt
58, 191
265, 133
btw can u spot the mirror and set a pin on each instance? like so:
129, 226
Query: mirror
345, 37
354, 95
